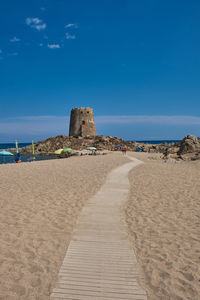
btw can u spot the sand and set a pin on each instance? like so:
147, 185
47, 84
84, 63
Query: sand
163, 217
40, 203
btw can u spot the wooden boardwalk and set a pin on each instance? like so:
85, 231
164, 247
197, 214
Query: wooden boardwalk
100, 262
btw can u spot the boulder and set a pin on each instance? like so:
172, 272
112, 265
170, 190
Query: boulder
189, 144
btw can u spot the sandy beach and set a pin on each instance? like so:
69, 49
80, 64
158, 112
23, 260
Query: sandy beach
163, 217
40, 202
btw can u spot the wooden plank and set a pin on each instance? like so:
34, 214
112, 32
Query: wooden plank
100, 263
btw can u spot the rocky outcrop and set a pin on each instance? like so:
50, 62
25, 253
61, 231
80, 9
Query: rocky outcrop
79, 143
50, 145
189, 144
187, 149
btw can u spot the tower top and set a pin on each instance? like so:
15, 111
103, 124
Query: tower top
82, 122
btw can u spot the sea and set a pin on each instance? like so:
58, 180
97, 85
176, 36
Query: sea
12, 145
11, 159
159, 142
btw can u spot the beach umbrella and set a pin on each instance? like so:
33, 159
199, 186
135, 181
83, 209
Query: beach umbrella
66, 150
59, 151
91, 148
6, 153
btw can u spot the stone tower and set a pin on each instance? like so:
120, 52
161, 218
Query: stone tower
82, 122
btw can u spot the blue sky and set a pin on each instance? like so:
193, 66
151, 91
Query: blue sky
135, 62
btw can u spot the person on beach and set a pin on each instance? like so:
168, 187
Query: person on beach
123, 150
17, 157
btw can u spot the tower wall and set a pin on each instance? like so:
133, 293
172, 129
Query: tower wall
82, 122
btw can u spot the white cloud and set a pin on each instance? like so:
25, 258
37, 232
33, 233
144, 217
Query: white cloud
15, 39
71, 25
30, 21
38, 127
53, 46
36, 23
159, 120
32, 127
69, 36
